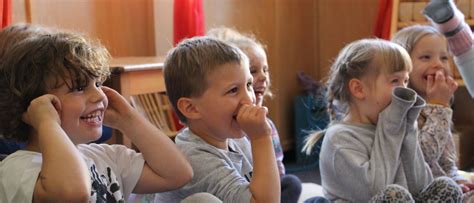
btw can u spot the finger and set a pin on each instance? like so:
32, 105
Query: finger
25, 118
113, 96
464, 188
439, 76
56, 103
430, 81
244, 110
470, 185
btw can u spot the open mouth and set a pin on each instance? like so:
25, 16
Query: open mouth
93, 117
426, 76
259, 93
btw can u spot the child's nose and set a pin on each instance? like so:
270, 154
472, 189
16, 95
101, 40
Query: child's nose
261, 76
438, 63
249, 97
97, 95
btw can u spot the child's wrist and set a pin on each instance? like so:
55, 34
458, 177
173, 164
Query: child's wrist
438, 102
260, 138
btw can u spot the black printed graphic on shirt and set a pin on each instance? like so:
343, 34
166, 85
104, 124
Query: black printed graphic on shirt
105, 187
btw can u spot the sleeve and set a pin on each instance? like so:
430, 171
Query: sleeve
460, 42
392, 128
128, 164
277, 147
18, 178
418, 174
437, 142
362, 170
465, 65
217, 176
448, 159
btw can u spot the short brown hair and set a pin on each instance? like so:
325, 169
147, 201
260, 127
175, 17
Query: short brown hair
188, 64
29, 66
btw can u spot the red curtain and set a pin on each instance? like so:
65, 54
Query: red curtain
188, 19
382, 25
5, 12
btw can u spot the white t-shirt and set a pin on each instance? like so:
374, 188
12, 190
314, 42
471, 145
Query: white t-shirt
114, 171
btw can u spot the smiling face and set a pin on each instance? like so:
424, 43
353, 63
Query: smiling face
229, 86
82, 110
259, 71
430, 54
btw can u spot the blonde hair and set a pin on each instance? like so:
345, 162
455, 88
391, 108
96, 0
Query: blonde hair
243, 41
409, 36
356, 60
188, 65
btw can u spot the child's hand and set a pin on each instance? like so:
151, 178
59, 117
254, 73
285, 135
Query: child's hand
466, 186
119, 112
252, 120
440, 88
45, 108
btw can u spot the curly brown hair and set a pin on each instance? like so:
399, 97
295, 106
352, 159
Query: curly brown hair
30, 65
15, 33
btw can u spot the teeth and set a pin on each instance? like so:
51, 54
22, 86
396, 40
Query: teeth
93, 117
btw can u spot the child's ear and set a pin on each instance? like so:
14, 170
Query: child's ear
357, 88
188, 108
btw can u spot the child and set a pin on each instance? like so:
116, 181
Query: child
10, 36
432, 79
52, 97
372, 154
210, 86
449, 20
290, 184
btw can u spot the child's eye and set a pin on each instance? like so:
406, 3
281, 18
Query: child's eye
444, 58
98, 84
78, 89
265, 69
253, 70
394, 82
233, 90
425, 57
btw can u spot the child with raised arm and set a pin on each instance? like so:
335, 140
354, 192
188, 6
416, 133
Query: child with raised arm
372, 154
10, 36
449, 20
210, 86
52, 98
432, 79
290, 184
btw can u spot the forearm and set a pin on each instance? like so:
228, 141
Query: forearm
265, 183
62, 165
465, 65
159, 152
416, 170
448, 160
435, 132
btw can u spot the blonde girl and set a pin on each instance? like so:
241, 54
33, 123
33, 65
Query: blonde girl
432, 79
372, 154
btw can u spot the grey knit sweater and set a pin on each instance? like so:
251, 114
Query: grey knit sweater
358, 161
